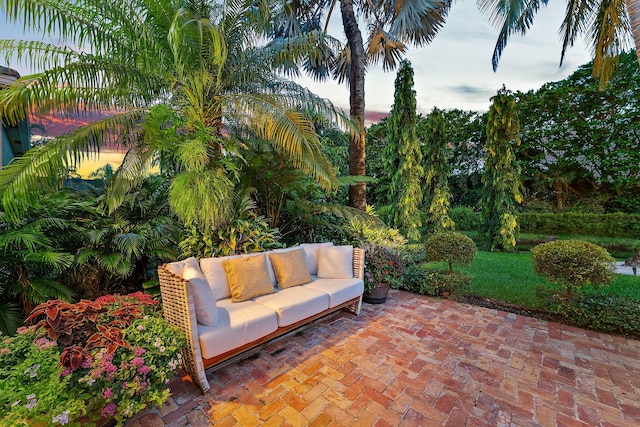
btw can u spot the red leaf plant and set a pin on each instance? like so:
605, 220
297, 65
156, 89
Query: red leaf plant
87, 325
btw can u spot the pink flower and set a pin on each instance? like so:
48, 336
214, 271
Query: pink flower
44, 343
4, 350
109, 410
66, 372
107, 393
139, 351
144, 370
137, 361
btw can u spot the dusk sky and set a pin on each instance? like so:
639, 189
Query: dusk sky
455, 70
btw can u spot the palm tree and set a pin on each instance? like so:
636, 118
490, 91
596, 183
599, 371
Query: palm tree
608, 25
390, 26
200, 58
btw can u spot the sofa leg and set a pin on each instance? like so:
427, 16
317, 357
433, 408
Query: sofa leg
355, 307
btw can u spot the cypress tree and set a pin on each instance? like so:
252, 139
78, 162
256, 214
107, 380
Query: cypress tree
501, 187
403, 156
437, 173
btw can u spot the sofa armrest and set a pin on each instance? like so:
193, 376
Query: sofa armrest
179, 310
358, 263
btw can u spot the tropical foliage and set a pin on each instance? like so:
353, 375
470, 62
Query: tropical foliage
437, 172
403, 156
203, 59
501, 178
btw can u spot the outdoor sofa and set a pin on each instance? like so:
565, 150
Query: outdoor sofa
227, 306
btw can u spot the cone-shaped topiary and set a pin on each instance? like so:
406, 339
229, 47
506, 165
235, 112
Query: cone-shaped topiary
455, 248
573, 263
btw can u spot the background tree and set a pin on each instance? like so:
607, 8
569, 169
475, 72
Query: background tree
437, 173
390, 25
403, 156
501, 179
581, 142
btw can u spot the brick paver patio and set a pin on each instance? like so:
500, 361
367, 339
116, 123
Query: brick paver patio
419, 361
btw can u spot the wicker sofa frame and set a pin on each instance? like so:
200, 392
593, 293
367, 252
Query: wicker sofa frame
178, 309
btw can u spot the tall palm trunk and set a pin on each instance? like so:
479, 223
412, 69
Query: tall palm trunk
357, 192
633, 8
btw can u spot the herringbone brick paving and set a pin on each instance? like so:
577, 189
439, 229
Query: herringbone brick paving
418, 361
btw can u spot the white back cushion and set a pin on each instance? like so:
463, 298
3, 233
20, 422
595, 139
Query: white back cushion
335, 262
311, 254
203, 299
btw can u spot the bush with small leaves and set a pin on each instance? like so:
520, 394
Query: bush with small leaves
573, 263
441, 283
455, 248
601, 312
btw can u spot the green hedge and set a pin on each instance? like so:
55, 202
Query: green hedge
566, 223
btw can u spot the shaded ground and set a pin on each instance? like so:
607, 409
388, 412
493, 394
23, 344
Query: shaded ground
420, 361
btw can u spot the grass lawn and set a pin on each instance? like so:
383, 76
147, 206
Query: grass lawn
510, 278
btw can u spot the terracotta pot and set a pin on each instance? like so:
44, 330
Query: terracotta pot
377, 295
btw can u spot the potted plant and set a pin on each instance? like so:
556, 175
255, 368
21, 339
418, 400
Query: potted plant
106, 358
383, 270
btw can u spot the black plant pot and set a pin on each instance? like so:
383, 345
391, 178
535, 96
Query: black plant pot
377, 295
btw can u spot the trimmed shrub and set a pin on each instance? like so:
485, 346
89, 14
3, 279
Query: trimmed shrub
565, 223
441, 282
420, 279
573, 263
606, 313
455, 248
576, 223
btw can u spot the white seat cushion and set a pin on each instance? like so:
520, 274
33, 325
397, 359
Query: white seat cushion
295, 304
339, 290
239, 323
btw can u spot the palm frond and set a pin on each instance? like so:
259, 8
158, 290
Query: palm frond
578, 14
417, 21
10, 317
57, 260
41, 166
385, 47
511, 17
609, 36
131, 244
202, 197
29, 240
37, 55
41, 290
130, 174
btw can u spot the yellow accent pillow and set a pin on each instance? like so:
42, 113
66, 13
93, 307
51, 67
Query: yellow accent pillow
248, 277
290, 268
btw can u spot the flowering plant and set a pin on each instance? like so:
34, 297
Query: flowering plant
382, 265
110, 357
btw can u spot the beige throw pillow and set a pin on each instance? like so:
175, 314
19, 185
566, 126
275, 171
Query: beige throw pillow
248, 277
290, 268
335, 262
